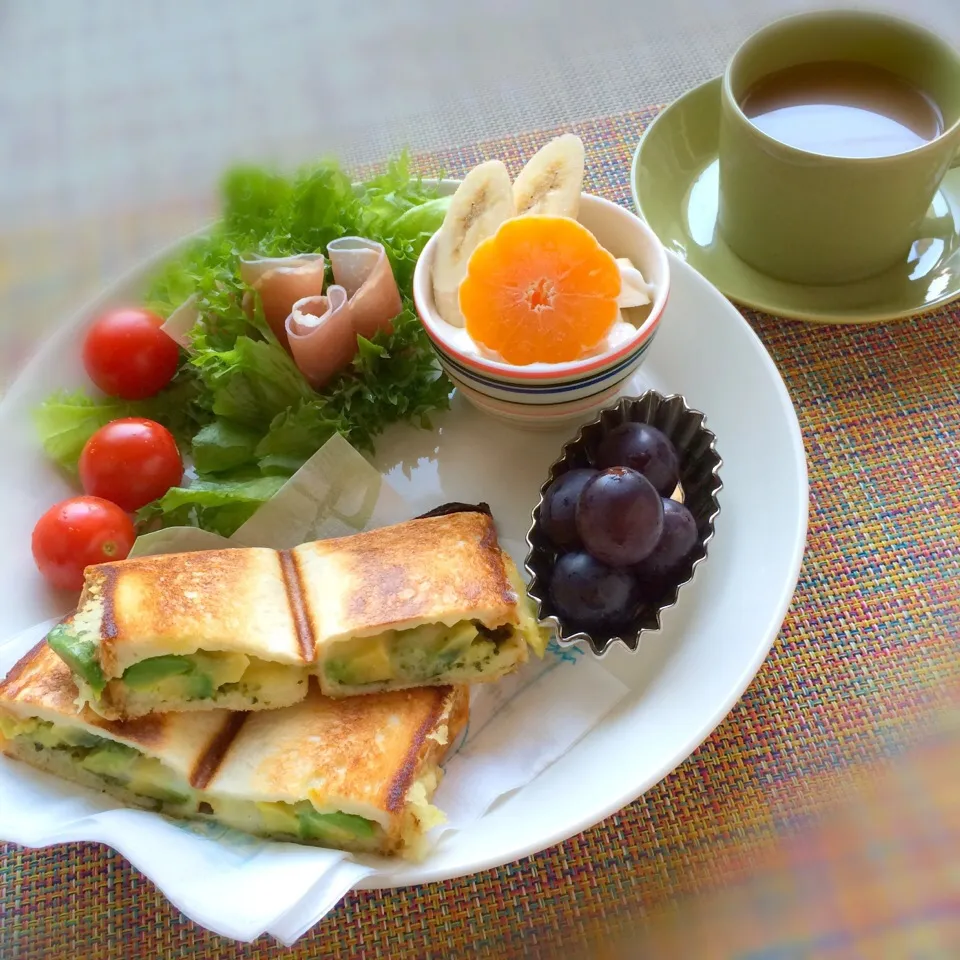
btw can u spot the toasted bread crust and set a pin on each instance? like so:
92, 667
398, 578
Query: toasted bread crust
431, 744
435, 570
281, 605
19, 676
362, 752
210, 599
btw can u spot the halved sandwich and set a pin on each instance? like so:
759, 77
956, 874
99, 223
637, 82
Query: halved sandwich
430, 601
350, 774
188, 631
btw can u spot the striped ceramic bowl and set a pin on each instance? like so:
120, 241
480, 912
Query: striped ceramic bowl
544, 395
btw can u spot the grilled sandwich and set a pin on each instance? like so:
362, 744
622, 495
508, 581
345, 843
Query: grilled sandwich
190, 631
429, 601
354, 774
432, 601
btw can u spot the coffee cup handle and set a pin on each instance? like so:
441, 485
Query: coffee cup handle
944, 225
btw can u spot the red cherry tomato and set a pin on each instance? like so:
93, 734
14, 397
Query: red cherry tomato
76, 534
130, 462
127, 355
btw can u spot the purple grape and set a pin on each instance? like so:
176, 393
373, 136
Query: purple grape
678, 539
557, 515
586, 592
642, 448
619, 517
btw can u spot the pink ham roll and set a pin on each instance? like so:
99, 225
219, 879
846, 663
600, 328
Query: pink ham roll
361, 267
281, 282
321, 335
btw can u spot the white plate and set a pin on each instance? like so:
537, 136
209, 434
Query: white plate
683, 679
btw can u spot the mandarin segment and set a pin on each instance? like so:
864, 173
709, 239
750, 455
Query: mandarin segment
540, 290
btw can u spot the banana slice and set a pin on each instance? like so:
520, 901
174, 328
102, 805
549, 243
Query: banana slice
482, 202
551, 181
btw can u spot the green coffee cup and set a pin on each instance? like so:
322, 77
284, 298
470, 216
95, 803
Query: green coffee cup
816, 219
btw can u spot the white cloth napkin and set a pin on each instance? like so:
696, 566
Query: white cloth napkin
239, 886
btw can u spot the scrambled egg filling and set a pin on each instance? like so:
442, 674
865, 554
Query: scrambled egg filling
458, 654
209, 676
528, 627
420, 816
416, 655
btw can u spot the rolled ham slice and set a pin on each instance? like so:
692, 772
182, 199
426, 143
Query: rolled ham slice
361, 267
282, 282
321, 335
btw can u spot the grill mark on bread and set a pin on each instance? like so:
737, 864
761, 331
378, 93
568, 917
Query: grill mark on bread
208, 764
148, 731
493, 555
108, 585
291, 580
101, 583
398, 787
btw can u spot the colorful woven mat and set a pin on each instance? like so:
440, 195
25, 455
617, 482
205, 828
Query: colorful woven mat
865, 663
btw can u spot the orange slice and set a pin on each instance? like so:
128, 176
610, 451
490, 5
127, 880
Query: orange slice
540, 290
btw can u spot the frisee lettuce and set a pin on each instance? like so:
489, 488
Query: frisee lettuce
239, 406
66, 421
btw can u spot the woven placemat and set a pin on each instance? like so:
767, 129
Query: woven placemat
864, 662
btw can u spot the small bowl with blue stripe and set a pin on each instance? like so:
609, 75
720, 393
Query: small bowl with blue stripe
545, 395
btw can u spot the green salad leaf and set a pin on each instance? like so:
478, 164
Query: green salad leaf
65, 421
419, 224
239, 406
252, 382
223, 445
220, 506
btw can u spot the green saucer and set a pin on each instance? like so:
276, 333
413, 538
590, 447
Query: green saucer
675, 182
